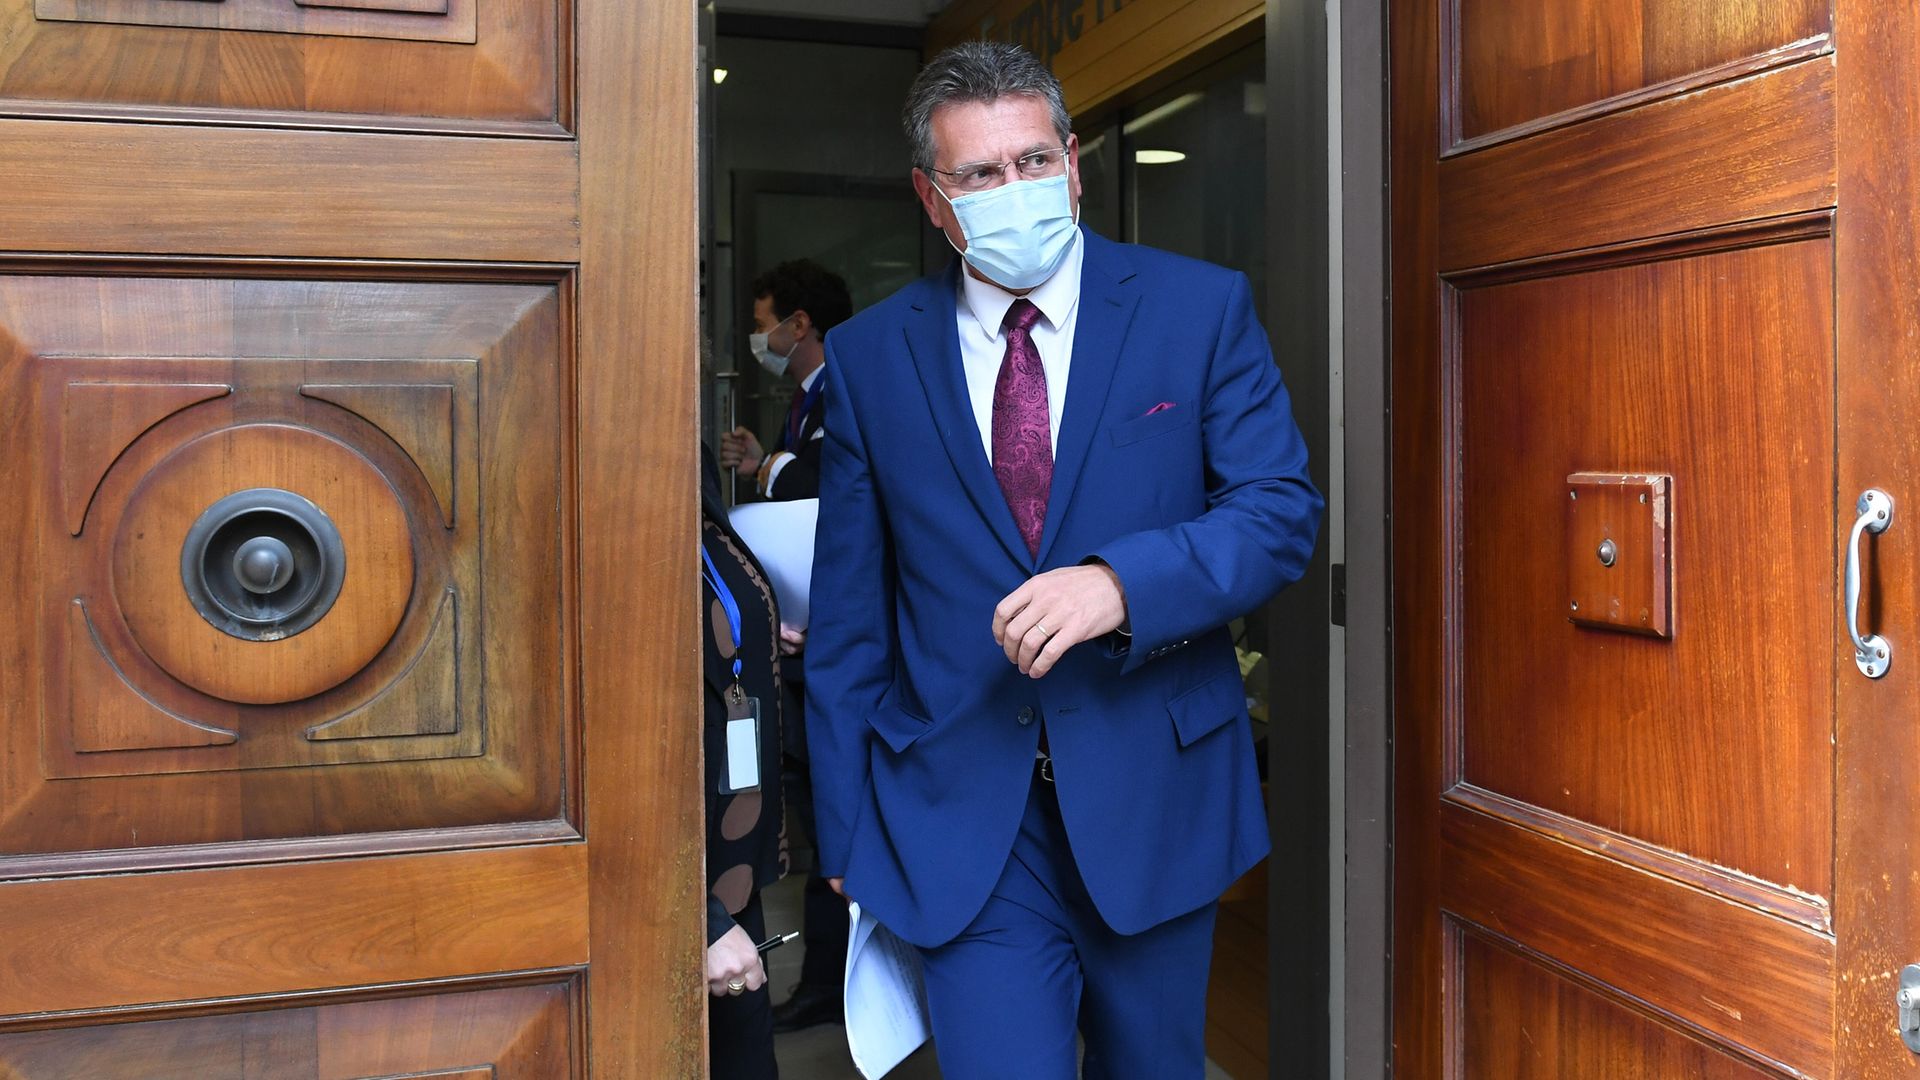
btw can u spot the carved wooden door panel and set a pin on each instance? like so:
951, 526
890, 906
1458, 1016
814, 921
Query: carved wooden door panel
1654, 336
348, 723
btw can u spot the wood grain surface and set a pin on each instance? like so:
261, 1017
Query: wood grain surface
445, 20
1521, 62
638, 527
317, 194
1761, 985
511, 80
101, 419
1423, 537
1760, 147
487, 725
497, 871
1527, 1021
94, 943
1716, 370
492, 1034
1877, 277
1628, 267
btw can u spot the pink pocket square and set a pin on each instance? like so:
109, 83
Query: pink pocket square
1162, 407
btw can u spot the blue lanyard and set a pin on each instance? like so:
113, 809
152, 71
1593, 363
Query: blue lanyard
726, 601
791, 436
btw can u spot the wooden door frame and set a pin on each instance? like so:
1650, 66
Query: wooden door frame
1418, 512
1876, 899
639, 634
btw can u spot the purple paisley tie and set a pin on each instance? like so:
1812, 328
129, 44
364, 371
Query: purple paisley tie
1022, 437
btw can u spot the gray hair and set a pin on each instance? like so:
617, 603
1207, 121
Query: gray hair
982, 71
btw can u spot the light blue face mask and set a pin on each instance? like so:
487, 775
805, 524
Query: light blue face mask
1017, 234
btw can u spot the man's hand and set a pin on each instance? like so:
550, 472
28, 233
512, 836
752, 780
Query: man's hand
741, 452
838, 885
733, 959
1039, 621
792, 642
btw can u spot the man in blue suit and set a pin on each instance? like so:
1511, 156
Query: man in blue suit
1051, 477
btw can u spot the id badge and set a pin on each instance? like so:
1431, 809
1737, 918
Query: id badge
743, 743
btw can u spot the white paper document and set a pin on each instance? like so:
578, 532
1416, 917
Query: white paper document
780, 535
886, 997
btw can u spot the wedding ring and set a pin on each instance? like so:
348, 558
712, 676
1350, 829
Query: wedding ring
735, 986
1042, 627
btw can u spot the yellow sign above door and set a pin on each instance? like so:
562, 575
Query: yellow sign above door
1104, 50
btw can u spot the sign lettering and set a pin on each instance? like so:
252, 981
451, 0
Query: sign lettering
1044, 27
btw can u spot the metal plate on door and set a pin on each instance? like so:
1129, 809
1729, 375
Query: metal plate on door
1619, 552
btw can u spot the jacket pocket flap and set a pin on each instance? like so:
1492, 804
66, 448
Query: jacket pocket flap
897, 727
1146, 427
1207, 706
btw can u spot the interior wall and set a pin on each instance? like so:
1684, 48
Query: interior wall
813, 107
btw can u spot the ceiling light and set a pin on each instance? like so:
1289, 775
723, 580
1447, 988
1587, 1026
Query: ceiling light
719, 75
1157, 157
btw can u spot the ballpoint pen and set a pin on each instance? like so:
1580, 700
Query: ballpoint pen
776, 941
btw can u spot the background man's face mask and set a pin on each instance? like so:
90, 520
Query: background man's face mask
772, 361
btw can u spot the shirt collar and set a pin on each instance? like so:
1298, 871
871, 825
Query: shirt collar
1056, 297
812, 377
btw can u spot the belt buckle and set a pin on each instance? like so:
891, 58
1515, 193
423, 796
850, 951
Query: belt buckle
1046, 768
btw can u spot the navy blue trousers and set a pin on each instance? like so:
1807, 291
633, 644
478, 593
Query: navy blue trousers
1038, 964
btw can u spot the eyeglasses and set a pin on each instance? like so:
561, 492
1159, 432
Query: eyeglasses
981, 175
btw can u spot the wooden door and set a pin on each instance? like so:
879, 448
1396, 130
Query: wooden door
1653, 336
348, 715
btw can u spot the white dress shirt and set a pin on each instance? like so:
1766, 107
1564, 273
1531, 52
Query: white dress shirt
983, 341
781, 458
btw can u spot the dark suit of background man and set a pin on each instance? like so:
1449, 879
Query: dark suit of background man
794, 304
1051, 477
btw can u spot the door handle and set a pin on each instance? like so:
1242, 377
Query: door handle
1908, 1000
1871, 654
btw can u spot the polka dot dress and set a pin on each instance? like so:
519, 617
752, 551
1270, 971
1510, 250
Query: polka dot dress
745, 840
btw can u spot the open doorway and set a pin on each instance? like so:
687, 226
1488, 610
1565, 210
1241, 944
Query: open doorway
1179, 162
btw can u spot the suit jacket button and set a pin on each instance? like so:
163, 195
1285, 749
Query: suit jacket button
1025, 715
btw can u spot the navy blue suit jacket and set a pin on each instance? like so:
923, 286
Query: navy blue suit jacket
922, 734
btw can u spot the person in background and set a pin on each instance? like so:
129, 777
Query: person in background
794, 305
741, 643
1052, 476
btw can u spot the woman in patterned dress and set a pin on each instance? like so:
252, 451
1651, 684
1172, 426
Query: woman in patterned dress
745, 841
